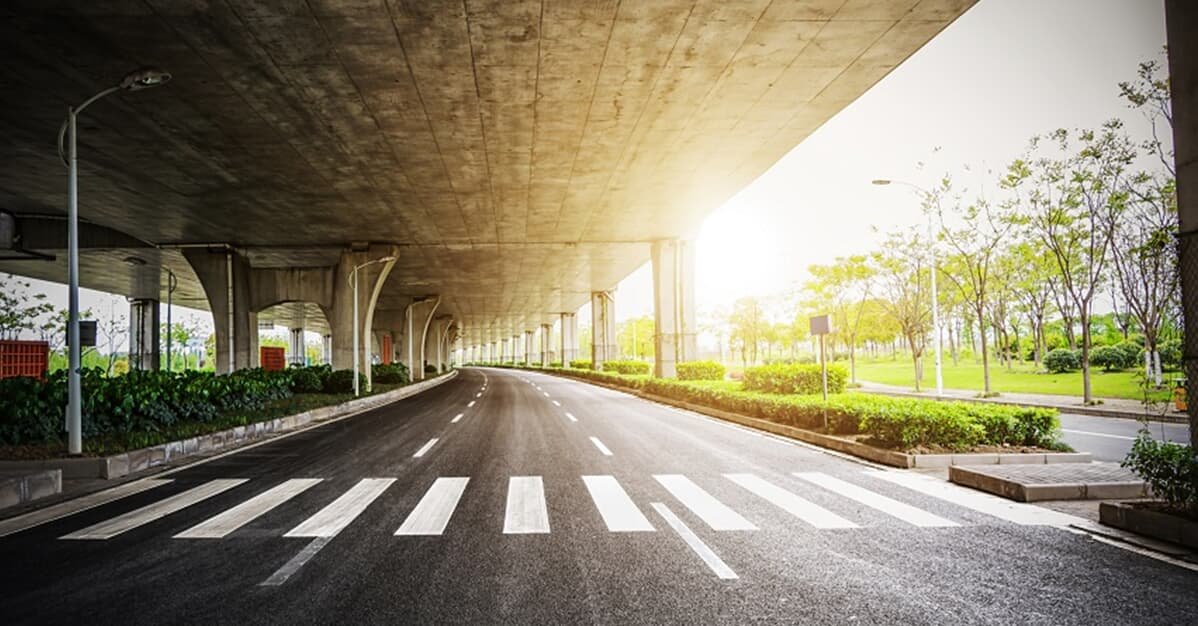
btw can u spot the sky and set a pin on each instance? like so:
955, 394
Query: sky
1003, 72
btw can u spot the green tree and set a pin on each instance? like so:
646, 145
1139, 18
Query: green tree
842, 289
21, 310
747, 325
635, 337
904, 285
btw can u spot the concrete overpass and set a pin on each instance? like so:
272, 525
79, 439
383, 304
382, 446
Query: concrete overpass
517, 158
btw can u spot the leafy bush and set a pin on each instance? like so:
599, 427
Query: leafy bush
1117, 357
700, 370
1170, 469
389, 374
1063, 360
308, 379
1170, 350
580, 364
800, 379
342, 381
628, 368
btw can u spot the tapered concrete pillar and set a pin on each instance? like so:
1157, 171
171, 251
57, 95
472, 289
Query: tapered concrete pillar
546, 329
569, 350
143, 334
327, 349
370, 278
603, 329
1181, 22
295, 347
504, 355
225, 277
529, 347
419, 329
673, 305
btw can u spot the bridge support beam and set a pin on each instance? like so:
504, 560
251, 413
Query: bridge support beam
370, 280
673, 305
529, 347
569, 338
225, 277
295, 347
546, 330
603, 329
143, 334
1181, 22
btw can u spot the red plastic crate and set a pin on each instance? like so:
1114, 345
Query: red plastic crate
272, 359
24, 358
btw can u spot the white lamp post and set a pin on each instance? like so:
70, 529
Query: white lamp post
353, 281
935, 296
133, 81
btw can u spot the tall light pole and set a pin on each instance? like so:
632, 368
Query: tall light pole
353, 281
136, 80
928, 197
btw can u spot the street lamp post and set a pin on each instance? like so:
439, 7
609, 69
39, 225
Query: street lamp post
927, 195
133, 81
353, 281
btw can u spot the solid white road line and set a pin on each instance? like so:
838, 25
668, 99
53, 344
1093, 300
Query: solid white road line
799, 507
71, 507
432, 513
571, 416
456, 418
478, 395
333, 518
425, 448
903, 511
526, 510
546, 393
557, 403
716, 514
1017, 512
619, 512
470, 404
709, 556
602, 448
149, 513
221, 525
1093, 434
291, 567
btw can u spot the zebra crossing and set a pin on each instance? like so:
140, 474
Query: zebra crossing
526, 511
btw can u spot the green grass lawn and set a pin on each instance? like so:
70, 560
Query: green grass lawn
1023, 379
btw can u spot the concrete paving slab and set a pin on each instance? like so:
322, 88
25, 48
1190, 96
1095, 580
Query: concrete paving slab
1063, 481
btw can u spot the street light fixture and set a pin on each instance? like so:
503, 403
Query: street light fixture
136, 80
353, 281
932, 259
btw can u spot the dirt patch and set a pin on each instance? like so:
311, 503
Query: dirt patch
1165, 509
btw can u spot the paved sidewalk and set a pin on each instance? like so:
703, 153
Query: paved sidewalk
1029, 483
1110, 407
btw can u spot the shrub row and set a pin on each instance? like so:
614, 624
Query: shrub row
580, 364
700, 370
631, 368
794, 378
390, 374
897, 423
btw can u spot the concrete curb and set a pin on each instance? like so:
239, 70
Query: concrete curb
28, 486
1150, 523
1023, 492
119, 465
1175, 418
867, 452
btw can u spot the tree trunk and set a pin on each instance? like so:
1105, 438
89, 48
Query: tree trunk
985, 361
853, 362
1087, 392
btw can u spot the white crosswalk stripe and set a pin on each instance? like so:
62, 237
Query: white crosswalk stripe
1016, 512
526, 510
221, 525
151, 512
799, 507
333, 518
432, 513
890, 506
618, 510
714, 513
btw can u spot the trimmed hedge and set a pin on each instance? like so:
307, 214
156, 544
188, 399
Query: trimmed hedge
389, 374
630, 368
795, 378
700, 370
580, 364
1063, 360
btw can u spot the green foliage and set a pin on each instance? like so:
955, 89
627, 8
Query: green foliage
1117, 357
308, 379
342, 381
626, 367
1063, 360
800, 379
429, 368
1170, 351
1170, 469
580, 364
390, 374
700, 370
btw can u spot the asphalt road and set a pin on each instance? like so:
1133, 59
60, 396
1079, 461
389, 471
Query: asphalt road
517, 513
1110, 438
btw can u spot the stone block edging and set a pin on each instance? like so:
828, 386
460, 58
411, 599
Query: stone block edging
119, 465
19, 488
1014, 490
1149, 523
839, 444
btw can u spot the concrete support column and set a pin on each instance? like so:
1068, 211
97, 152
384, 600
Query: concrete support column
503, 350
143, 334
603, 329
327, 349
225, 277
1181, 22
517, 349
569, 338
546, 329
370, 280
529, 348
673, 305
295, 347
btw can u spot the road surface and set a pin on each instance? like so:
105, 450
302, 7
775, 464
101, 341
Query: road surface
517, 497
1110, 438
